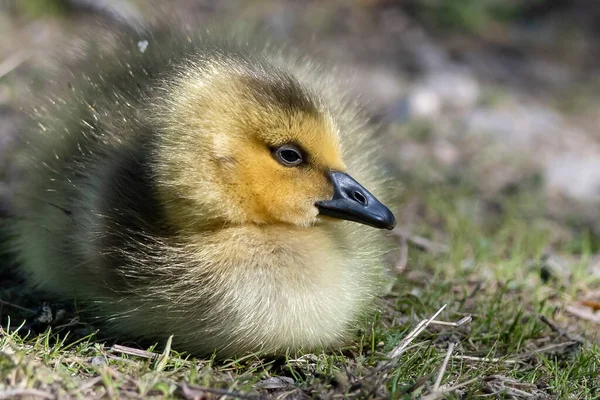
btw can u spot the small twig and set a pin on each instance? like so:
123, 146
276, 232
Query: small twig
560, 331
438, 382
553, 326
463, 321
583, 314
198, 392
117, 348
476, 289
17, 306
73, 322
554, 346
421, 326
517, 392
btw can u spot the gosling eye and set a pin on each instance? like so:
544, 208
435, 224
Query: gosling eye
288, 155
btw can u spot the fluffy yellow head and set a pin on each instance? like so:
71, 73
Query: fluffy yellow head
244, 143
279, 169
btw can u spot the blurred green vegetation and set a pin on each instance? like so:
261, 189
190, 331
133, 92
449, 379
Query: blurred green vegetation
474, 16
38, 8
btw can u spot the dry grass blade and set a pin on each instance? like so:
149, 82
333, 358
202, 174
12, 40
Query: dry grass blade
500, 385
438, 381
463, 321
119, 349
16, 306
518, 359
13, 62
561, 332
443, 392
164, 357
25, 393
399, 349
403, 258
428, 245
193, 392
132, 351
556, 346
404, 346
89, 384
485, 359
422, 243
584, 313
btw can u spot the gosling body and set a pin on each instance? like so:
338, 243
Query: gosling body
161, 192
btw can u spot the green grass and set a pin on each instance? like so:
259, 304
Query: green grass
521, 342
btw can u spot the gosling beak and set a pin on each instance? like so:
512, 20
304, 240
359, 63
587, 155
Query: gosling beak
353, 202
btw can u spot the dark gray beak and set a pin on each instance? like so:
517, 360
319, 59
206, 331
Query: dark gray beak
353, 202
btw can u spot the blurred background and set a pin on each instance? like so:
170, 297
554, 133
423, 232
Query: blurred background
488, 113
492, 98
496, 94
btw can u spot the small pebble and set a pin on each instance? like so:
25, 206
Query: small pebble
97, 361
275, 382
142, 45
45, 314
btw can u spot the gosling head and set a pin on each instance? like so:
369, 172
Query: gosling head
243, 142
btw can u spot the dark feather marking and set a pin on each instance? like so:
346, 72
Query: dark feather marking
67, 212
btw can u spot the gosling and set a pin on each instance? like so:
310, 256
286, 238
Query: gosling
207, 189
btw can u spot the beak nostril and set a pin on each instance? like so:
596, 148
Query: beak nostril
352, 202
359, 197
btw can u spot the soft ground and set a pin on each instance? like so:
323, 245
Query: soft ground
490, 124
